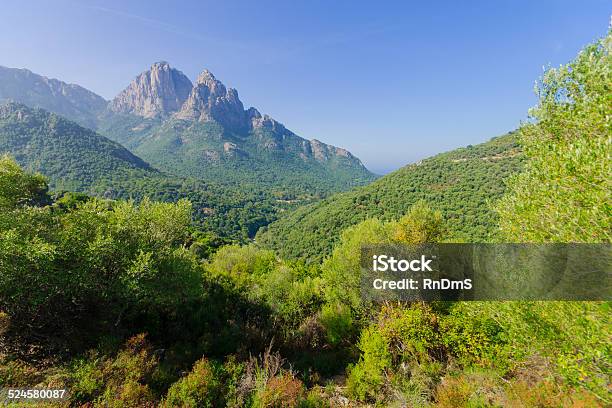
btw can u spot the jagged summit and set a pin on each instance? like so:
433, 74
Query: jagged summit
206, 77
157, 92
211, 100
196, 129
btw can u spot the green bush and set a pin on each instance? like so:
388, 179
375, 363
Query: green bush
119, 381
411, 332
367, 378
473, 337
340, 272
242, 263
420, 225
337, 320
202, 387
290, 297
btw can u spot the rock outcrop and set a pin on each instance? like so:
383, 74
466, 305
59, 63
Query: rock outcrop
210, 100
158, 92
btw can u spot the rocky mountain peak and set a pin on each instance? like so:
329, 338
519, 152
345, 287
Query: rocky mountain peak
158, 92
211, 100
258, 121
207, 78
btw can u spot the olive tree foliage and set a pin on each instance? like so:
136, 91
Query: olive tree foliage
96, 267
564, 193
18, 188
341, 272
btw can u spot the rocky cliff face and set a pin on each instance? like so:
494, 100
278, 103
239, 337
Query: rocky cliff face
209, 100
69, 100
158, 92
165, 93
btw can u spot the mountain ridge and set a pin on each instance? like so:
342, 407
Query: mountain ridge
73, 155
70, 100
212, 136
198, 129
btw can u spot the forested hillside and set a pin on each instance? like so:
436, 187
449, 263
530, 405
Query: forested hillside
128, 304
76, 158
462, 184
197, 130
261, 159
79, 160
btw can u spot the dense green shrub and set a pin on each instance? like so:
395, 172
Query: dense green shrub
202, 387
117, 381
420, 225
402, 346
341, 270
290, 297
473, 336
337, 319
68, 276
242, 262
367, 378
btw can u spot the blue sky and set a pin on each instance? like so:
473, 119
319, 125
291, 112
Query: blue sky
391, 81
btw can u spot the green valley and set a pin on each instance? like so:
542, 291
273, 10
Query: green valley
462, 184
218, 261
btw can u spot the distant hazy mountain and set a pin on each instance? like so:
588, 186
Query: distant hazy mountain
202, 130
72, 101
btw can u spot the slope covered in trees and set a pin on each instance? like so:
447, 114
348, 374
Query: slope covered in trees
271, 160
461, 183
79, 160
76, 158
125, 306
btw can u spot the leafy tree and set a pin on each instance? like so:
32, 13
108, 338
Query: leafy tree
420, 225
564, 193
18, 188
341, 271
